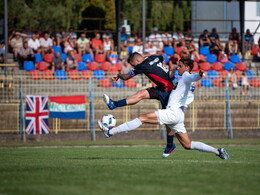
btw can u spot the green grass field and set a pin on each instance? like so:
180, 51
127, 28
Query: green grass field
129, 170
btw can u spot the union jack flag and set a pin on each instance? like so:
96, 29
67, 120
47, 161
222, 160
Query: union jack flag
37, 115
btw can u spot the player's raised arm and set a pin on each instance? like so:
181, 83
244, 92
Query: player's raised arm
121, 76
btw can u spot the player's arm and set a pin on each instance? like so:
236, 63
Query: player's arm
172, 72
121, 76
189, 78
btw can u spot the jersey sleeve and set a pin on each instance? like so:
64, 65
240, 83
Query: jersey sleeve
189, 78
139, 69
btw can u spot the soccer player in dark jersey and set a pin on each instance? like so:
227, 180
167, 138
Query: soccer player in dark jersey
154, 69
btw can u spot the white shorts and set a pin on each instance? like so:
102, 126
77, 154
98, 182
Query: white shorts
173, 118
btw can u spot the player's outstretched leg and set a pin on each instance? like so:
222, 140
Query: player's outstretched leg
109, 102
223, 154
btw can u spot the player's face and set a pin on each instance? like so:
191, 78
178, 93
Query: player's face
137, 61
182, 68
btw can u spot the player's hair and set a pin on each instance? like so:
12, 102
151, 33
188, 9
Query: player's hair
187, 62
132, 57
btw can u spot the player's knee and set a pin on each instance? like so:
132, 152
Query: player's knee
142, 94
187, 146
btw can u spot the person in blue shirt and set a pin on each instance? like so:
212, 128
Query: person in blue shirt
124, 39
249, 40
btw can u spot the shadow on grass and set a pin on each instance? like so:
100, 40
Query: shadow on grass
109, 158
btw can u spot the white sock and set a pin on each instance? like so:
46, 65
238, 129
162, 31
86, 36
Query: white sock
203, 147
127, 126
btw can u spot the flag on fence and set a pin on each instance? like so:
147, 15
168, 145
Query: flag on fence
68, 107
37, 115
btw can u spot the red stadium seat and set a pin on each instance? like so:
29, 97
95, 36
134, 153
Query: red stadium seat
73, 74
218, 82
202, 58
205, 66
105, 83
42, 66
217, 66
47, 74
241, 66
179, 50
99, 58
113, 70
223, 74
48, 57
77, 57
105, 66
85, 74
119, 66
238, 74
255, 82
92, 66
254, 51
130, 83
195, 67
222, 60
35, 74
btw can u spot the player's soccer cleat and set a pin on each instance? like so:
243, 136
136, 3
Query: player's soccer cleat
104, 129
168, 151
223, 154
110, 103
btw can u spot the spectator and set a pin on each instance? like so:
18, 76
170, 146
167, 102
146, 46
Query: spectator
188, 38
138, 47
151, 50
85, 31
249, 40
16, 44
40, 34
233, 41
107, 33
204, 40
173, 61
27, 32
126, 68
139, 35
71, 33
156, 38
108, 46
34, 43
83, 45
57, 63
46, 44
25, 54
124, 39
215, 43
67, 47
97, 44
245, 84
60, 36
178, 39
190, 46
51, 33
166, 39
2, 52
232, 78
71, 61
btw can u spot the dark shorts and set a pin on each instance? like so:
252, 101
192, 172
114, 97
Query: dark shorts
162, 96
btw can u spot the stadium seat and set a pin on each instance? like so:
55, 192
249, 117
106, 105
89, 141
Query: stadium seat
179, 50
119, 66
204, 51
217, 66
130, 83
73, 74
42, 66
61, 75
222, 59
77, 57
212, 74
166, 59
206, 82
168, 51
195, 67
99, 58
105, 66
113, 58
48, 57
28, 65
63, 56
255, 82
238, 74
56, 49
223, 74
99, 74
35, 74
118, 84
47, 74
204, 66
87, 58
211, 58
235, 59
81, 66
38, 57
202, 58
113, 70
92, 66
249, 74
228, 65
86, 74
241, 66
254, 51
218, 82
130, 50
105, 82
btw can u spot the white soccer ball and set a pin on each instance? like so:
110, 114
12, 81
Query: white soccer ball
109, 120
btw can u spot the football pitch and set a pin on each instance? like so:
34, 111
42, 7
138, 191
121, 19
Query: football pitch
128, 169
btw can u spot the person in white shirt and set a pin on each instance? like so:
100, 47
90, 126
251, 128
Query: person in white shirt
46, 44
151, 50
167, 39
156, 38
138, 47
173, 115
34, 43
178, 39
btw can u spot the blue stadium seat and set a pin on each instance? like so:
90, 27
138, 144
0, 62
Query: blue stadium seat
81, 66
99, 74
212, 74
56, 49
206, 82
87, 58
130, 50
118, 85
235, 59
168, 51
211, 58
61, 75
113, 58
63, 56
28, 65
166, 59
228, 65
38, 58
204, 51
249, 74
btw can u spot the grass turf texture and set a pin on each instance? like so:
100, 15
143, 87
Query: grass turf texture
128, 170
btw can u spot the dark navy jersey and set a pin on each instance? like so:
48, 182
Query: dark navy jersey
154, 69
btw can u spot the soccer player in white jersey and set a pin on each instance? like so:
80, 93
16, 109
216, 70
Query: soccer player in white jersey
173, 115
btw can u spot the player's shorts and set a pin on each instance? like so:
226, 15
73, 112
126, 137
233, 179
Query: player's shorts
162, 96
173, 118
